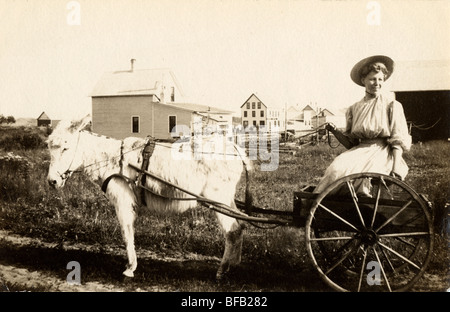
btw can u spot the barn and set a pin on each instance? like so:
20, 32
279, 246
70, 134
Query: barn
423, 88
147, 102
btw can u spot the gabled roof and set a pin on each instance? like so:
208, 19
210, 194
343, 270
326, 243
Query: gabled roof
264, 99
134, 82
43, 116
421, 75
326, 112
307, 107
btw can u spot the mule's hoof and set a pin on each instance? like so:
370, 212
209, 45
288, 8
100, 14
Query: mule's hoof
126, 279
128, 273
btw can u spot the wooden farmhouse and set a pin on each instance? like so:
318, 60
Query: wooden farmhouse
148, 102
423, 88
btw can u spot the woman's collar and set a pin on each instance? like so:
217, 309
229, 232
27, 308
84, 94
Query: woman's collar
370, 96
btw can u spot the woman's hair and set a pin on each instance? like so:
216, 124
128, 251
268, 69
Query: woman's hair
373, 67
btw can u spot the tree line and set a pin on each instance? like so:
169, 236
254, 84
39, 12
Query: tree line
7, 120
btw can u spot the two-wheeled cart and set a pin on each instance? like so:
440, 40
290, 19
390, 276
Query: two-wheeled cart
364, 232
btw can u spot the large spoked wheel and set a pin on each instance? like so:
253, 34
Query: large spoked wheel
369, 232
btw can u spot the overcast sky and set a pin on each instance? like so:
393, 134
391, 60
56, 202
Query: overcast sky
296, 52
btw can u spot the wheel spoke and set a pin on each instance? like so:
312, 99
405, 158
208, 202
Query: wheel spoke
343, 247
399, 255
355, 201
404, 241
382, 269
393, 216
376, 204
388, 260
414, 218
338, 217
331, 238
362, 270
404, 234
345, 256
387, 187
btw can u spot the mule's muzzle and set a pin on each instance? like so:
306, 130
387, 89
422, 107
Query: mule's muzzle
55, 181
52, 183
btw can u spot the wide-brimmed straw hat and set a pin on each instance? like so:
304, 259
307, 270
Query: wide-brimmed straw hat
355, 74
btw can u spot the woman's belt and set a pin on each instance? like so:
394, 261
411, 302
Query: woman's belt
373, 141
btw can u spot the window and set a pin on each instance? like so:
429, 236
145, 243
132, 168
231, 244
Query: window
135, 124
259, 105
253, 105
254, 123
253, 114
172, 122
172, 94
245, 124
245, 113
248, 105
262, 123
262, 114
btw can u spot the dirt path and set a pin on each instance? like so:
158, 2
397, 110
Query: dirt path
28, 264
27, 277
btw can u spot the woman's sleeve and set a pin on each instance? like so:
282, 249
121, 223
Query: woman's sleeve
400, 137
348, 121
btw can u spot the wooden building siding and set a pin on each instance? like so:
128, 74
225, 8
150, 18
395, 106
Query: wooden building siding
161, 118
112, 116
44, 122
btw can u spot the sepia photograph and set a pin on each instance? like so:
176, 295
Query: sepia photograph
218, 153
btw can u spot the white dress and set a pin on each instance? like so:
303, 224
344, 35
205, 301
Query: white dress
380, 125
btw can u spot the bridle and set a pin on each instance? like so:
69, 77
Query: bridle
66, 174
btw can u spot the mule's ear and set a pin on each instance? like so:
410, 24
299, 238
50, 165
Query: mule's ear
85, 123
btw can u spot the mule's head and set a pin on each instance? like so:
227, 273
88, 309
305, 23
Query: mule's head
65, 156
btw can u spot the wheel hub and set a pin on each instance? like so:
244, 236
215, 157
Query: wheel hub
369, 237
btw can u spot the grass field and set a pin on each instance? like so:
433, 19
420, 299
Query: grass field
80, 213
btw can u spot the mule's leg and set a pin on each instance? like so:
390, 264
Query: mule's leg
234, 233
124, 200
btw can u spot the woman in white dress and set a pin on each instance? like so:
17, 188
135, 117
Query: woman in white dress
376, 133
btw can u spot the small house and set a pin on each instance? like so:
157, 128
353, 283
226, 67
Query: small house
43, 120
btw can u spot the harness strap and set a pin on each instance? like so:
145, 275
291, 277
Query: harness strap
115, 175
147, 152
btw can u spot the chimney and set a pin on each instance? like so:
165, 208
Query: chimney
132, 64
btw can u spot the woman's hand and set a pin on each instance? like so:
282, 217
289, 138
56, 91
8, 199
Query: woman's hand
330, 127
397, 155
396, 175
